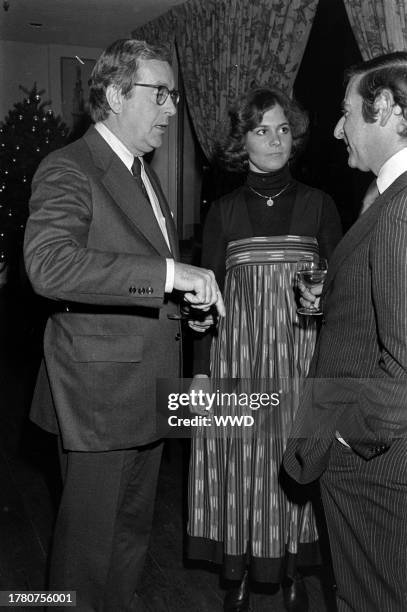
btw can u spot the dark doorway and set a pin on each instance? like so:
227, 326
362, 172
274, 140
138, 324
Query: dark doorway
319, 87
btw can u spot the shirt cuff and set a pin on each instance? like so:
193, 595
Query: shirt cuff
169, 279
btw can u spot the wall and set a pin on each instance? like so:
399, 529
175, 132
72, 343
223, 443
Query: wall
26, 63
20, 64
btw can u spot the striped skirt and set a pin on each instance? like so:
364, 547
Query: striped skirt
240, 509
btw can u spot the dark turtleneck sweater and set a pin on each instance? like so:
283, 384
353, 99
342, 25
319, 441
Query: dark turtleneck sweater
270, 220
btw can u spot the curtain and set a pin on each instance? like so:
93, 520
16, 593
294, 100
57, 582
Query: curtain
379, 25
159, 31
226, 45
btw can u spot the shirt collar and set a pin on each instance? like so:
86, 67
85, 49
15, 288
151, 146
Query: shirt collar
392, 169
118, 147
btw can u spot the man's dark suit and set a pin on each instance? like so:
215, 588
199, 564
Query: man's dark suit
94, 245
357, 387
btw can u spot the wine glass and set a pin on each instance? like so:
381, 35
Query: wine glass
311, 273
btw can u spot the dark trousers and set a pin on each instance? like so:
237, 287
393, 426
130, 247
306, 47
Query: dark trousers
103, 526
365, 503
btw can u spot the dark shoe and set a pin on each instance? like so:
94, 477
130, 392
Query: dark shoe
295, 596
238, 598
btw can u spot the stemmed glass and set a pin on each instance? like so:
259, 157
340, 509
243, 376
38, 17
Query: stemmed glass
311, 273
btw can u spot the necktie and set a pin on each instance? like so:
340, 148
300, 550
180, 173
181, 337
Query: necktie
370, 196
136, 170
155, 205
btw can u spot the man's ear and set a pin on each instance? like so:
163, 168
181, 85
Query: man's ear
384, 106
114, 98
402, 122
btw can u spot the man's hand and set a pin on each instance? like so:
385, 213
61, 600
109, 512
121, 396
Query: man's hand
309, 297
199, 286
201, 325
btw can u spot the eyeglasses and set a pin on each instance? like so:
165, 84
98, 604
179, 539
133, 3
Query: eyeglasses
162, 93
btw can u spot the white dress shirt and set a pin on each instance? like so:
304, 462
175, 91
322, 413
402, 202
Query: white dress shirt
392, 169
127, 158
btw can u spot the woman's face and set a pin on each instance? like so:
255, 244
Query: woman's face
269, 144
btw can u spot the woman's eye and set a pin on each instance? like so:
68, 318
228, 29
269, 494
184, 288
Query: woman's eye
261, 132
285, 129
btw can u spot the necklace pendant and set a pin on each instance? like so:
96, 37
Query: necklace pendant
270, 202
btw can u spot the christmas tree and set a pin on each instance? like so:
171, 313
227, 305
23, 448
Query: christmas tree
28, 133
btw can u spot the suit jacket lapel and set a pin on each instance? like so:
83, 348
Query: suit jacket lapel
125, 192
360, 228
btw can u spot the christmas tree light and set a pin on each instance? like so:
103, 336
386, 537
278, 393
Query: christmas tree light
28, 133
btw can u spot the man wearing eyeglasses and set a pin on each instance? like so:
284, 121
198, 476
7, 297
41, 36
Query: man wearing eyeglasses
101, 243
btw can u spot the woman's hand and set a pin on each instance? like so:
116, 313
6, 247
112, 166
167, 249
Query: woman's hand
200, 382
309, 298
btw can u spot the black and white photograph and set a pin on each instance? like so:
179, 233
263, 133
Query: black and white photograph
203, 305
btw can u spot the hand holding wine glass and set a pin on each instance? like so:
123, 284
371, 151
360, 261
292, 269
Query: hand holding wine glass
311, 275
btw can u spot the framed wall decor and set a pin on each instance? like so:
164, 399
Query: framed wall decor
75, 74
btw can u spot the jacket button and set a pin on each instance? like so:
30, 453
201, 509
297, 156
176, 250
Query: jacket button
141, 290
178, 337
132, 289
149, 290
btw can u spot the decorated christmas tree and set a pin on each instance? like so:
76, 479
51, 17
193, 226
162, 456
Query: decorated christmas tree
28, 133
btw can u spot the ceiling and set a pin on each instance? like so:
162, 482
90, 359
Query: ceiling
89, 23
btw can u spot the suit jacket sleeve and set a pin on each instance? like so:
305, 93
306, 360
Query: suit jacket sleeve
60, 262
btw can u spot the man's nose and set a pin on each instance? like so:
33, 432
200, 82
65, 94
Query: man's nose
338, 131
170, 107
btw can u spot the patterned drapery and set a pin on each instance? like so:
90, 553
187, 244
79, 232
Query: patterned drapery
225, 45
159, 31
379, 25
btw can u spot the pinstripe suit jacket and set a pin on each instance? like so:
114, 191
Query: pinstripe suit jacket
357, 380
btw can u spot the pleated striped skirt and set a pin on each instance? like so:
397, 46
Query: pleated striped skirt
240, 511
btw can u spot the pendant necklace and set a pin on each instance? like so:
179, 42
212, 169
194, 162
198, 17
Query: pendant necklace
270, 199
